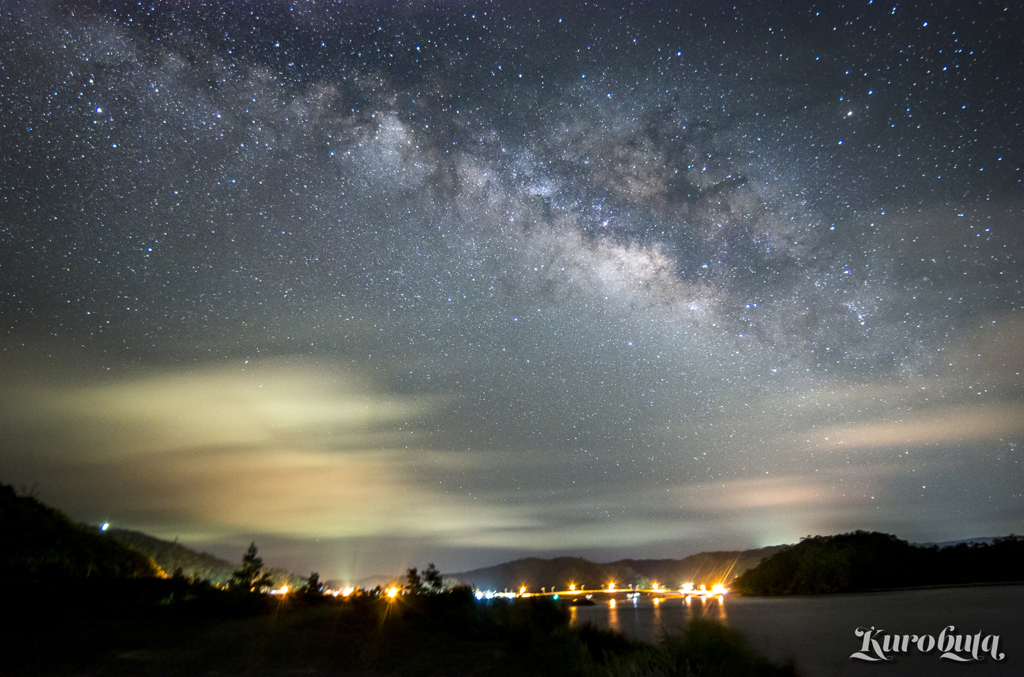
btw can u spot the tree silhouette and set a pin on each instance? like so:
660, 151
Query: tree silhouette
414, 584
313, 585
432, 577
250, 576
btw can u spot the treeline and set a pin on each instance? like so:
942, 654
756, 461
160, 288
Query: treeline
39, 542
861, 561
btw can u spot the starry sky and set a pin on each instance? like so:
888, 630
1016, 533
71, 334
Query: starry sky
375, 284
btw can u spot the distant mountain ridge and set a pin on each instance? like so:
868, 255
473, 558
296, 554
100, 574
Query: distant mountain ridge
706, 568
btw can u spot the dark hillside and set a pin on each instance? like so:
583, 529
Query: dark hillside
874, 561
172, 556
37, 541
175, 558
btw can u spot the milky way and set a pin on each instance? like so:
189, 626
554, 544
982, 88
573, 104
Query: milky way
376, 285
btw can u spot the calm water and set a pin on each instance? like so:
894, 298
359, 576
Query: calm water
818, 632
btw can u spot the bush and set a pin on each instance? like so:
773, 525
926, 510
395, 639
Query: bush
710, 649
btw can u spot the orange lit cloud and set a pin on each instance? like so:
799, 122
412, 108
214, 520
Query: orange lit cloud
290, 448
299, 493
945, 425
754, 493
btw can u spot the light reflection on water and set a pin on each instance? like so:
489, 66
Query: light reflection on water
644, 618
705, 607
818, 631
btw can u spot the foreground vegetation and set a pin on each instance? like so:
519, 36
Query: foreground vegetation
862, 561
173, 627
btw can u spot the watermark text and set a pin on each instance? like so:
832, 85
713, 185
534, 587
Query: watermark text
878, 645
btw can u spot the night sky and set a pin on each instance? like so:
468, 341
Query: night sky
375, 286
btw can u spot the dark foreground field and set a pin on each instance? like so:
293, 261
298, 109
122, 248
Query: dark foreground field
140, 627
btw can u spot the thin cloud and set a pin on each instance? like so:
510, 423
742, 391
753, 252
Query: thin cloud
250, 405
944, 425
